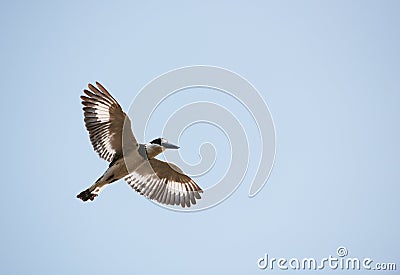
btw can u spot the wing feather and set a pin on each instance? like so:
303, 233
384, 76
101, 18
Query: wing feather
105, 120
165, 183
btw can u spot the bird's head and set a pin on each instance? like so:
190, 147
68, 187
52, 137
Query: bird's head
158, 146
163, 143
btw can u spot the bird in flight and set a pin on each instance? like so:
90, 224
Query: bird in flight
108, 126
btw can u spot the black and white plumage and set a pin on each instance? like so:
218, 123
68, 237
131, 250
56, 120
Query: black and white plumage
153, 178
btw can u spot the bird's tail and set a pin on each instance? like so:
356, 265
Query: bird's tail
93, 191
86, 195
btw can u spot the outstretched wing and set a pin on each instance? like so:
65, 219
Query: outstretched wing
104, 119
165, 183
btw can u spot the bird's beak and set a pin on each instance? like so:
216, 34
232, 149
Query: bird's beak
169, 146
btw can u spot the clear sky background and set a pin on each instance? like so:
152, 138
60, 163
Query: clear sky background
328, 70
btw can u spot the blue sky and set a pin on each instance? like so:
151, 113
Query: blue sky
328, 70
